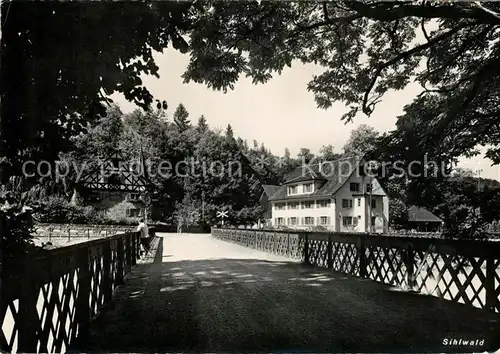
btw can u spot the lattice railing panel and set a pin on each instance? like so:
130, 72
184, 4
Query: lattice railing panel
496, 267
279, 243
386, 265
96, 271
318, 253
345, 258
296, 249
48, 298
458, 278
10, 329
457, 270
56, 308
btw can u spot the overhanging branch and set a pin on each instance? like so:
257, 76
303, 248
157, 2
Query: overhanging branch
367, 108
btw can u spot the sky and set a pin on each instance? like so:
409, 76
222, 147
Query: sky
280, 113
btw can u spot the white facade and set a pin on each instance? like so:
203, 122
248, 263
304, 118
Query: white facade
346, 210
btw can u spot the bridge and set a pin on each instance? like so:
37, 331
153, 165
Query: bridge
248, 291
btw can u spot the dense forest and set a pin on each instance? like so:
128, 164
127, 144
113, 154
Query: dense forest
189, 147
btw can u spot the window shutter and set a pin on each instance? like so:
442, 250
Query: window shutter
318, 221
302, 221
328, 220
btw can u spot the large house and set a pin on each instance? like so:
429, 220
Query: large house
338, 196
115, 189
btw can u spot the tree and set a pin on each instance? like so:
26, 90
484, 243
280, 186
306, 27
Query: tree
180, 117
229, 132
56, 87
363, 140
305, 155
187, 213
368, 48
327, 154
287, 153
398, 214
202, 124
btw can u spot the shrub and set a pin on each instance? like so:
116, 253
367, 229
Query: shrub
58, 210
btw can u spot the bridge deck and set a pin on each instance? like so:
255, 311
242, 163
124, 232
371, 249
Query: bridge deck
213, 296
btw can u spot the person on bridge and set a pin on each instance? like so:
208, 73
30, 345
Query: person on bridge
143, 229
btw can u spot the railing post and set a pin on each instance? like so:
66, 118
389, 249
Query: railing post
83, 307
409, 258
69, 235
27, 319
362, 256
306, 248
330, 252
128, 252
106, 281
88, 234
491, 298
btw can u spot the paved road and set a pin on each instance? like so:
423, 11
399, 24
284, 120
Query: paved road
211, 296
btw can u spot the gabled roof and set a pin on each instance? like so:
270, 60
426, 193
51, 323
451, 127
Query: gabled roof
132, 180
333, 173
419, 214
270, 190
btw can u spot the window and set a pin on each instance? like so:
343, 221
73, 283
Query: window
346, 203
309, 220
293, 205
279, 206
308, 188
133, 213
354, 187
325, 203
308, 204
116, 163
347, 220
279, 221
359, 201
293, 221
324, 220
368, 188
374, 203
292, 190
373, 220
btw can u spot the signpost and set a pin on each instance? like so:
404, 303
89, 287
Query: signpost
222, 214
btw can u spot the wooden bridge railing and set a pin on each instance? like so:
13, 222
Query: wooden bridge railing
464, 271
48, 299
